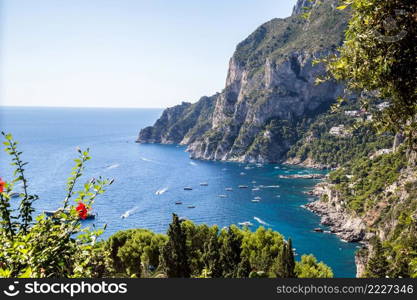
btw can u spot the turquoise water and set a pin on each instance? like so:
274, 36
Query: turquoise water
149, 179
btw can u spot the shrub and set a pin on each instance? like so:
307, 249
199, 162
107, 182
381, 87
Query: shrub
54, 246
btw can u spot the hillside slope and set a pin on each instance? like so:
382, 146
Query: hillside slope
270, 95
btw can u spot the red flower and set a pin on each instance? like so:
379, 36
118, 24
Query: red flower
82, 210
2, 184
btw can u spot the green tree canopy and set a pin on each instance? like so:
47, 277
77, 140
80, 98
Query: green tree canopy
308, 267
378, 60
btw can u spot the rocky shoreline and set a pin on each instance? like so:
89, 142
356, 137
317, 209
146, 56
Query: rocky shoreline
349, 228
303, 176
308, 163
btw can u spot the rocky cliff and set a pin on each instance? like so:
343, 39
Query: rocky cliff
269, 95
374, 198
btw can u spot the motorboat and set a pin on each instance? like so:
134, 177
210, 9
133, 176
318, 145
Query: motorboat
247, 224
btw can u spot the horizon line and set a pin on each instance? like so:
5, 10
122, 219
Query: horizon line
98, 107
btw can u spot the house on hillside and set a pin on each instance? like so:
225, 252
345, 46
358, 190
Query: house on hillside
339, 131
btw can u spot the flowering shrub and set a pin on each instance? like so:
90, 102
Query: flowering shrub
82, 210
48, 246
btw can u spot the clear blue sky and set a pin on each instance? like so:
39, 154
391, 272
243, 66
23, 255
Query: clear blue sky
122, 53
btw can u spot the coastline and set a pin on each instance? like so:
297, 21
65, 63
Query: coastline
348, 228
329, 207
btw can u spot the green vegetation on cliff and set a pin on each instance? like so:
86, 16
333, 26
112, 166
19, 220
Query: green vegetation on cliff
376, 61
361, 181
277, 39
322, 147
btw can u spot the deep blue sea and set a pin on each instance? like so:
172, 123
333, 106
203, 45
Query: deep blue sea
149, 179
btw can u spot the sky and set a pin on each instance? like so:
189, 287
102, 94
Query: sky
122, 53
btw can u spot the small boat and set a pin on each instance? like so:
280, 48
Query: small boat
51, 213
243, 186
256, 200
187, 188
247, 223
14, 195
222, 196
178, 203
254, 182
255, 189
229, 189
318, 229
242, 173
191, 206
204, 184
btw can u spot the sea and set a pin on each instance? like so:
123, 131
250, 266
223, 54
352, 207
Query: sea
149, 180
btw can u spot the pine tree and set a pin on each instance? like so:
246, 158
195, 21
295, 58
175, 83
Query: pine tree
290, 260
377, 265
211, 256
244, 268
230, 253
174, 253
285, 264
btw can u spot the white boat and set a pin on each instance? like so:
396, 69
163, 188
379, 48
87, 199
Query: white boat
204, 184
256, 200
255, 189
247, 223
243, 186
229, 189
242, 173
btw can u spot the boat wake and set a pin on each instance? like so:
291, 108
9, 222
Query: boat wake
161, 191
112, 166
260, 221
129, 212
147, 159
